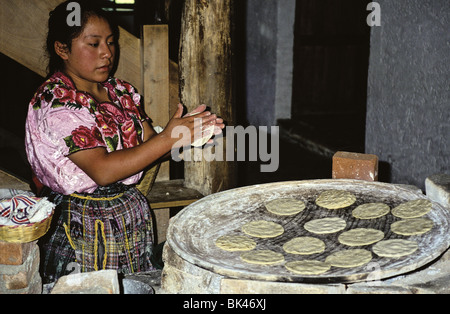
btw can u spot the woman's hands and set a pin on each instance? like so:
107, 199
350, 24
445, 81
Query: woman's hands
198, 124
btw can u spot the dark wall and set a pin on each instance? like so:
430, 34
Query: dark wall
331, 57
261, 64
17, 88
408, 109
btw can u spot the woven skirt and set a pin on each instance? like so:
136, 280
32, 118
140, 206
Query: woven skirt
108, 229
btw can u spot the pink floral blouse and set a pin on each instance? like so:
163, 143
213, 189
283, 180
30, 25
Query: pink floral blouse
62, 121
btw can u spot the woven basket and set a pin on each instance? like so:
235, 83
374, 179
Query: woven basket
146, 184
25, 233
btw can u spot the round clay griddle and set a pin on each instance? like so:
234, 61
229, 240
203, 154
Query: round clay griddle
193, 231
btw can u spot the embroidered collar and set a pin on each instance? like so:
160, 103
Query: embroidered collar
69, 83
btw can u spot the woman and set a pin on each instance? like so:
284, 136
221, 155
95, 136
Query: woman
88, 141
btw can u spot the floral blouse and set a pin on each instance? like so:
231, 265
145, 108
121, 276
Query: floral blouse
62, 121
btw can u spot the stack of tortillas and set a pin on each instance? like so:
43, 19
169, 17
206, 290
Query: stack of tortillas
307, 254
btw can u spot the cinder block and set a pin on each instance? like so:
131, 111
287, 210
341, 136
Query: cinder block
15, 253
355, 166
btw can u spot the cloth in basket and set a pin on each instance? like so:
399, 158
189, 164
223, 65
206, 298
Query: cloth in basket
22, 208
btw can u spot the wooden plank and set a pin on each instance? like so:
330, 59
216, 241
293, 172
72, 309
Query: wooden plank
161, 224
130, 60
155, 65
155, 46
172, 204
23, 31
9, 181
174, 88
173, 193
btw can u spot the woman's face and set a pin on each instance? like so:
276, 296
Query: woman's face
91, 58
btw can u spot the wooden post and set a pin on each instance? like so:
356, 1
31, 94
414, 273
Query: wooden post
206, 78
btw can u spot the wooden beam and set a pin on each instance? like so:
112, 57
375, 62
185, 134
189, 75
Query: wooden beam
155, 65
23, 32
9, 181
155, 47
130, 63
206, 78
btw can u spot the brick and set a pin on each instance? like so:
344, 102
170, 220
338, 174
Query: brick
356, 166
15, 253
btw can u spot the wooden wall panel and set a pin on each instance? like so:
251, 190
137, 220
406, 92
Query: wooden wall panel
155, 64
23, 31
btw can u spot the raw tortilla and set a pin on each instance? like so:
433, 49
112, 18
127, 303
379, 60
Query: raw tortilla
349, 258
414, 226
335, 199
208, 130
361, 236
304, 246
262, 257
285, 206
263, 229
308, 267
412, 209
325, 225
235, 243
371, 211
395, 248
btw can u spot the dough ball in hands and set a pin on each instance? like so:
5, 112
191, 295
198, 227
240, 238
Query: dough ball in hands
207, 131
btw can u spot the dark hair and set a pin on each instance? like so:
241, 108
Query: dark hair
59, 30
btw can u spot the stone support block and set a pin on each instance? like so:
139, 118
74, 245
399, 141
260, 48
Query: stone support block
238, 286
24, 278
98, 282
438, 189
